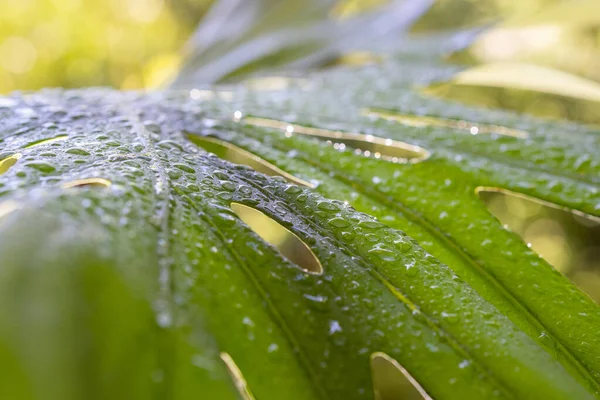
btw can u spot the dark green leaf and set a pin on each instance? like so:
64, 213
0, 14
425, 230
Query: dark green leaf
145, 286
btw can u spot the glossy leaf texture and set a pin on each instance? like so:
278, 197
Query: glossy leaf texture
127, 274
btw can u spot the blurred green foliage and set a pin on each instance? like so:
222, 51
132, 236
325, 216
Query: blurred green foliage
70, 43
559, 34
136, 43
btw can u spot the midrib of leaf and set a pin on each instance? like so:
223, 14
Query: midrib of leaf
162, 190
505, 295
160, 217
162, 305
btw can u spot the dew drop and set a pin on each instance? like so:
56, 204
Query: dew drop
184, 168
450, 317
229, 186
293, 189
334, 326
327, 206
78, 151
41, 166
245, 190
370, 224
383, 253
338, 222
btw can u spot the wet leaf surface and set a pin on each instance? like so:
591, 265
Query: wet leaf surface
126, 273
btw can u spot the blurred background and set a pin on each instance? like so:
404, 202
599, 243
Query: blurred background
126, 44
131, 44
142, 44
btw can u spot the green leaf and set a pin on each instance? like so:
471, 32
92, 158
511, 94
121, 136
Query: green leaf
238, 38
126, 272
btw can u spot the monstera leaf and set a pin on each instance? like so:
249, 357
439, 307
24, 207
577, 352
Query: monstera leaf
273, 244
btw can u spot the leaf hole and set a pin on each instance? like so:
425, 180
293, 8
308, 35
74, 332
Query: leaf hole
45, 141
568, 239
88, 182
365, 145
287, 242
525, 88
391, 381
237, 377
426, 121
237, 155
8, 162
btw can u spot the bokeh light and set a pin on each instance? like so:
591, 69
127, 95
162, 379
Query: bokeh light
125, 44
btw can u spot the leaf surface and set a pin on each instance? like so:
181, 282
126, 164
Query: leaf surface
145, 283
